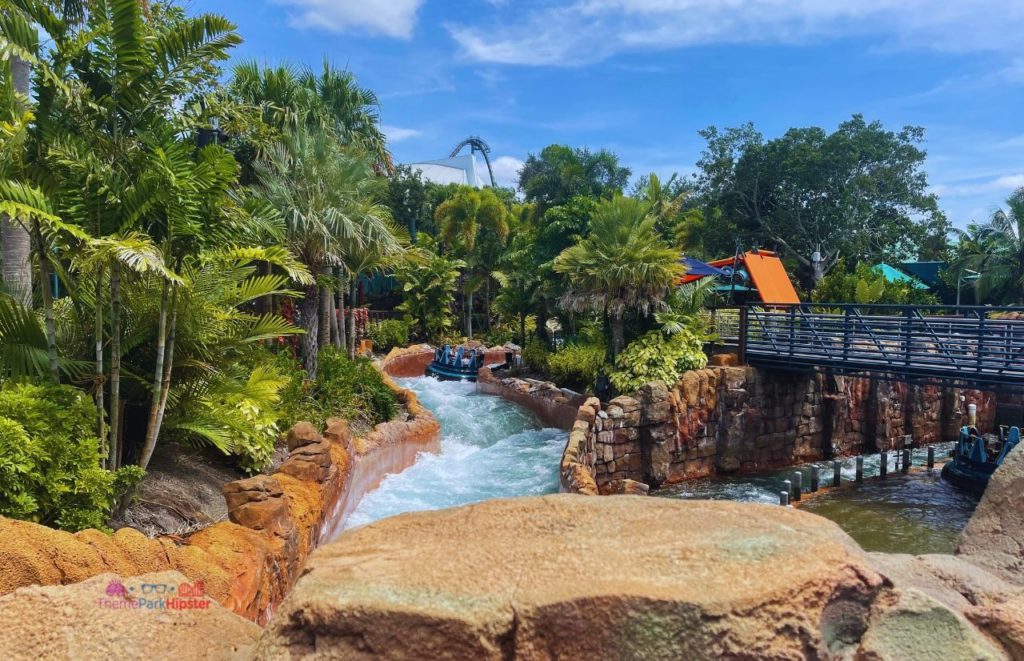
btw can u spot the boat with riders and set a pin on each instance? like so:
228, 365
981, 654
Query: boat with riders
976, 457
456, 363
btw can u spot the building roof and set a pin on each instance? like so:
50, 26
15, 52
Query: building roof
929, 273
892, 274
462, 170
767, 274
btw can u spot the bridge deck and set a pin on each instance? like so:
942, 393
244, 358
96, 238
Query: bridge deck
970, 344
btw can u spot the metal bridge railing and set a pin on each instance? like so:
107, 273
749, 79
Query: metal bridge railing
979, 344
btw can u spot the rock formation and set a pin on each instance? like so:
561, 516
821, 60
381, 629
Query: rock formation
249, 562
89, 621
570, 577
994, 537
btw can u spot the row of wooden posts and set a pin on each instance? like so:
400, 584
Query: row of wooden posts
794, 488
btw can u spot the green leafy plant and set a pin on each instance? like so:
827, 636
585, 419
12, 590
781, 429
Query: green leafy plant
657, 357
865, 285
428, 282
536, 354
350, 388
388, 334
577, 365
50, 459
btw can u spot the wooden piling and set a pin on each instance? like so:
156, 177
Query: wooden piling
837, 473
883, 466
906, 460
931, 457
798, 484
815, 479
784, 495
860, 469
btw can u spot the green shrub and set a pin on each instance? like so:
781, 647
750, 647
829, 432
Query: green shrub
577, 365
656, 357
346, 388
50, 459
535, 354
389, 334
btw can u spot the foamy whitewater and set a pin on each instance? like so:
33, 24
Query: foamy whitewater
490, 448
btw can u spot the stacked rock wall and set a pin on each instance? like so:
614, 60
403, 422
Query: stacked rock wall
724, 420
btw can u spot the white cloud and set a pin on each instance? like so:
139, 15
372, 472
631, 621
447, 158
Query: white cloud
398, 134
584, 31
506, 170
391, 18
1007, 182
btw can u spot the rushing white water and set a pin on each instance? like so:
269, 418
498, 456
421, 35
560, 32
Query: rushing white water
490, 448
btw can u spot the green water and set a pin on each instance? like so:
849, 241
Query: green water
914, 513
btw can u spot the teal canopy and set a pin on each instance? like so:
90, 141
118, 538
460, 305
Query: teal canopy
893, 274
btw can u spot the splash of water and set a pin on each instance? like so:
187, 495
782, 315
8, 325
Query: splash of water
490, 448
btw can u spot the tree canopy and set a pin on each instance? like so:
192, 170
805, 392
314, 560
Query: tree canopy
858, 192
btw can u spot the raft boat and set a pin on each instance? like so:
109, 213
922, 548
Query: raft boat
455, 364
975, 459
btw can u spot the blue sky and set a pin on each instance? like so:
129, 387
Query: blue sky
641, 77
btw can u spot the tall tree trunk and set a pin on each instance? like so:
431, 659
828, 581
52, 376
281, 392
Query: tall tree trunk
324, 330
354, 290
333, 312
165, 385
16, 258
100, 375
149, 444
468, 299
51, 327
311, 324
522, 330
618, 333
487, 303
341, 341
115, 367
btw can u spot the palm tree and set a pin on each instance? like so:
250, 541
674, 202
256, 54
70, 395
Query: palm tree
15, 258
322, 190
291, 97
621, 265
465, 219
996, 250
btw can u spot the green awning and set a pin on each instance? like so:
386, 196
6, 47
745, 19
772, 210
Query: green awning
893, 274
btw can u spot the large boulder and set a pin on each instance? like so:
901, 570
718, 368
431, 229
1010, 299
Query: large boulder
95, 619
572, 577
994, 537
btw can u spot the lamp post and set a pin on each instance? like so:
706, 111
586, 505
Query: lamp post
965, 276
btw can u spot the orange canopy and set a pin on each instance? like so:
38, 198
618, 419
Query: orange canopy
767, 274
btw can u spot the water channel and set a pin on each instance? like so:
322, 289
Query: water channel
491, 448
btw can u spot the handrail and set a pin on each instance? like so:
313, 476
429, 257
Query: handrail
971, 342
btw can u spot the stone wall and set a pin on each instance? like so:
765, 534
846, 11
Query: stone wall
726, 420
554, 406
247, 563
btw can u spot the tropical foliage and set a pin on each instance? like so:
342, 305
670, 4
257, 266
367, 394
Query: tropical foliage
657, 357
995, 250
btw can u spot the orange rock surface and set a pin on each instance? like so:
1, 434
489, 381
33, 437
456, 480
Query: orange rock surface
248, 563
